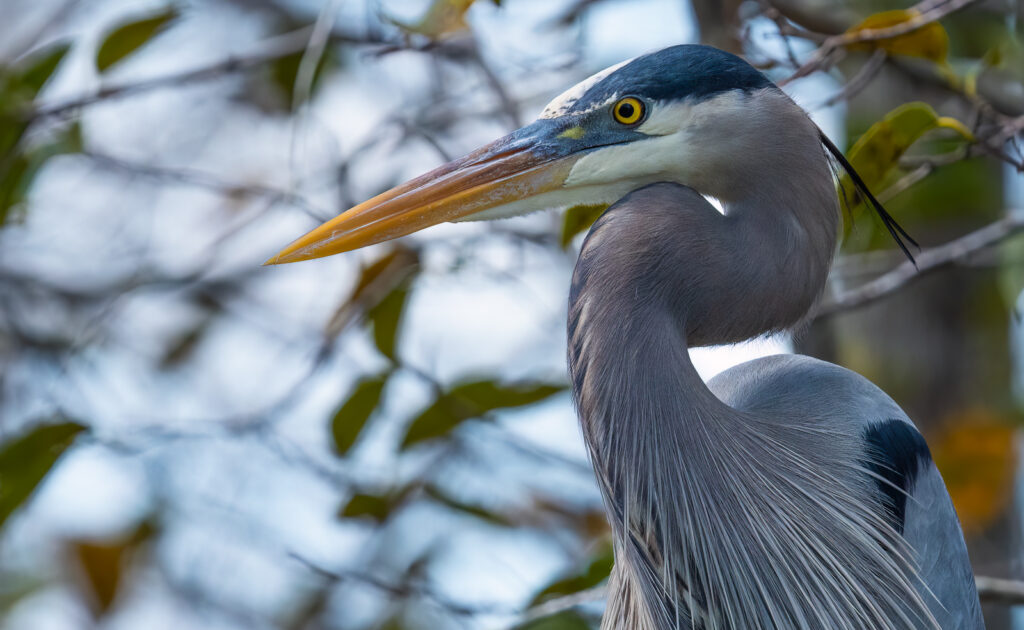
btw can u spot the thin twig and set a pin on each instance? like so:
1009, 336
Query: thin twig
270, 49
1000, 591
930, 14
202, 179
927, 261
860, 80
990, 590
404, 590
560, 604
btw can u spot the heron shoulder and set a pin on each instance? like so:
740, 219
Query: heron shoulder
792, 388
797, 386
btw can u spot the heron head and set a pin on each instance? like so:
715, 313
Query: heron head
685, 114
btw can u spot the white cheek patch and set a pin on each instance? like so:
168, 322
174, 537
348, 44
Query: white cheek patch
657, 158
671, 151
563, 102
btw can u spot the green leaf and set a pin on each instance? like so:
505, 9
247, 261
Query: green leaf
284, 73
472, 400
376, 507
26, 460
578, 219
19, 86
448, 501
878, 151
376, 280
18, 171
386, 317
564, 620
597, 570
37, 69
353, 414
184, 346
370, 506
130, 36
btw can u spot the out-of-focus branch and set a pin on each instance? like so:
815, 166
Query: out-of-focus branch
270, 50
929, 14
927, 261
994, 590
274, 48
201, 179
860, 80
1000, 591
404, 590
560, 604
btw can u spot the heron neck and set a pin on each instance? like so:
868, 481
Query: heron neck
661, 271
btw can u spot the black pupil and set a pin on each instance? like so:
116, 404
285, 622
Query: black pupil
626, 110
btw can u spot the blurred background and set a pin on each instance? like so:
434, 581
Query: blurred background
384, 439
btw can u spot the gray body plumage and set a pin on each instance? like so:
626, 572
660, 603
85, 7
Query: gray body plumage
773, 496
787, 493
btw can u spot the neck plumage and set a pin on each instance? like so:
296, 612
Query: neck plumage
707, 502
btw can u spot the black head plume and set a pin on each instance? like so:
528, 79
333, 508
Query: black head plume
897, 232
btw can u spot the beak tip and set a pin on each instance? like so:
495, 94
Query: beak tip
282, 257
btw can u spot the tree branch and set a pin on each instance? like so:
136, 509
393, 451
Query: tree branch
201, 179
990, 590
1000, 591
928, 13
927, 261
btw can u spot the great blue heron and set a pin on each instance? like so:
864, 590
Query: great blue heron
786, 492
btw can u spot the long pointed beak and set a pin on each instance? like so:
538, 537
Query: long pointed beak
523, 164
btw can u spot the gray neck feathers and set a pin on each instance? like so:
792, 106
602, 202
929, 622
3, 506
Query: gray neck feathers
710, 514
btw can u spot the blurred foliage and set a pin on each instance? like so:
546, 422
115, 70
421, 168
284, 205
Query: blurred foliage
374, 507
128, 37
596, 571
928, 42
472, 399
353, 414
876, 154
19, 85
25, 461
443, 17
976, 451
105, 566
972, 57
565, 620
577, 220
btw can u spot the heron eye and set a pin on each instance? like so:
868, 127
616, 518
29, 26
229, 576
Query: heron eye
628, 110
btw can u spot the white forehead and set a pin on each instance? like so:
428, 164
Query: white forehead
566, 99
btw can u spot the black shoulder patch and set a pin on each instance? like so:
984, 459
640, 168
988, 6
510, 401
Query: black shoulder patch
896, 453
686, 71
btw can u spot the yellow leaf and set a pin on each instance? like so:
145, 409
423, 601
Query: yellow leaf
104, 565
878, 151
928, 42
579, 219
976, 457
442, 18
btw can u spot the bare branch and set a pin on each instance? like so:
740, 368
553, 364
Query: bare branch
994, 590
860, 80
404, 590
270, 50
927, 261
201, 179
1000, 591
560, 604
927, 14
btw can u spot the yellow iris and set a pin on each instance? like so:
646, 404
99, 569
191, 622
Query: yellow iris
628, 110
